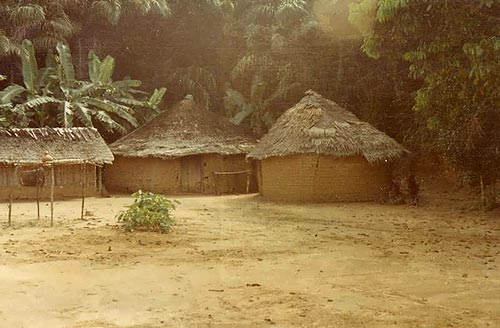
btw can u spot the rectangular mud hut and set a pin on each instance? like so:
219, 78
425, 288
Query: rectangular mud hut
319, 152
186, 149
77, 155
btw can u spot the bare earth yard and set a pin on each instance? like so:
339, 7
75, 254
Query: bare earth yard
237, 261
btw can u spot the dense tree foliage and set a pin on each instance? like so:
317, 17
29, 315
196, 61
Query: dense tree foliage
426, 72
453, 48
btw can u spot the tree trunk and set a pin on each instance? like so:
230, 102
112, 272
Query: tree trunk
488, 193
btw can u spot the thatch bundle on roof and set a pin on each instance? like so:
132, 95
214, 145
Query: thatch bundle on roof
186, 129
65, 145
317, 125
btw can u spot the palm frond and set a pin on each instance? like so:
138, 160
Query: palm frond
8, 94
29, 66
106, 70
66, 114
243, 65
261, 13
68, 70
130, 102
83, 114
26, 13
109, 107
126, 85
237, 106
39, 101
258, 89
5, 45
198, 81
108, 9
94, 66
147, 6
108, 123
156, 98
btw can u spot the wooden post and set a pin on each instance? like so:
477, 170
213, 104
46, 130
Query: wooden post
83, 180
52, 183
10, 210
37, 195
99, 180
248, 182
483, 197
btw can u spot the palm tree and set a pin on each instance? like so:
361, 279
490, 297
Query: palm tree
265, 72
48, 22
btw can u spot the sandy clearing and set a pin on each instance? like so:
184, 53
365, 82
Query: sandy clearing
236, 261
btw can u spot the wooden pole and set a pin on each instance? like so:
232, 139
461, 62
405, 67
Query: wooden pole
10, 210
99, 180
52, 183
83, 180
248, 182
483, 198
37, 195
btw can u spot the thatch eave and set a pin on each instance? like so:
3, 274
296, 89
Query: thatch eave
182, 152
317, 125
67, 146
184, 130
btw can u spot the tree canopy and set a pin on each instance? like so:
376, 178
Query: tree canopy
424, 71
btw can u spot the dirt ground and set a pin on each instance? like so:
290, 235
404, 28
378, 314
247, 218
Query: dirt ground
237, 261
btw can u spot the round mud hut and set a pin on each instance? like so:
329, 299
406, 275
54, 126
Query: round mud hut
186, 149
319, 152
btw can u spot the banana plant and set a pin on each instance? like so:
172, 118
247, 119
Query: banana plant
93, 101
53, 95
35, 90
255, 110
265, 71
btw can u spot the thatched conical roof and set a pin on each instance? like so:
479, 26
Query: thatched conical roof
64, 145
317, 125
183, 130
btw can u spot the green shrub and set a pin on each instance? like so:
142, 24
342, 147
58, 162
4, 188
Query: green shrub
149, 212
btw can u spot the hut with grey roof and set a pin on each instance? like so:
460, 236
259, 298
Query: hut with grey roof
319, 152
77, 154
184, 149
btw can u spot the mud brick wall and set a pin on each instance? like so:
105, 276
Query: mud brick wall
128, 175
226, 184
319, 178
68, 179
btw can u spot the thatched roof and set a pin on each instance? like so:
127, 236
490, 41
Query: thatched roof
64, 145
320, 126
184, 130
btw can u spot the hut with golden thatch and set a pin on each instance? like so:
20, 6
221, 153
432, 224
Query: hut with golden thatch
77, 155
184, 149
319, 152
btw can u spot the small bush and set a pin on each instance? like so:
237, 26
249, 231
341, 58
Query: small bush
149, 212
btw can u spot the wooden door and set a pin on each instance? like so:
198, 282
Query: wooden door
191, 174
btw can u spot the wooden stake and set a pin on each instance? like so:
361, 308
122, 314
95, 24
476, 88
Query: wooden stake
483, 198
52, 183
37, 195
248, 182
10, 210
99, 180
83, 180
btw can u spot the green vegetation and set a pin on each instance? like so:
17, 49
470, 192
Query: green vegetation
52, 96
149, 212
425, 72
453, 50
